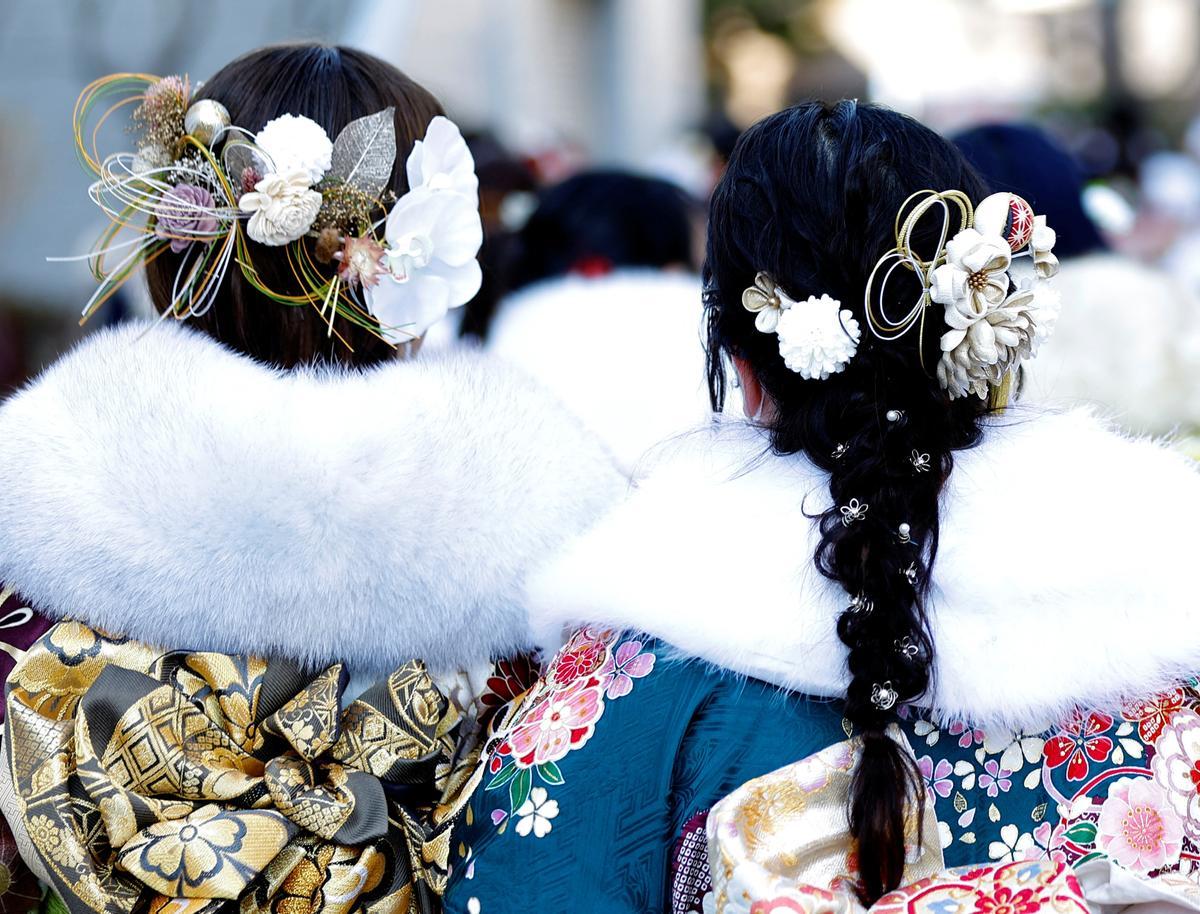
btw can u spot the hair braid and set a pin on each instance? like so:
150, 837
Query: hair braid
810, 196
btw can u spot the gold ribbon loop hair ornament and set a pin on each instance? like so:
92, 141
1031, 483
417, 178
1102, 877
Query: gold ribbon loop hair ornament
993, 323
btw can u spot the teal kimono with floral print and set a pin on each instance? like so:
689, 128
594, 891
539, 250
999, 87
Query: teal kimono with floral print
599, 779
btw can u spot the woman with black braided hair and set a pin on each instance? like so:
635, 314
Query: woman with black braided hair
891, 625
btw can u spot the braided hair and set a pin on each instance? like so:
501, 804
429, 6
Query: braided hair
810, 197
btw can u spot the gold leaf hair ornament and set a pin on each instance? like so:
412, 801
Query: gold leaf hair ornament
401, 263
817, 337
993, 324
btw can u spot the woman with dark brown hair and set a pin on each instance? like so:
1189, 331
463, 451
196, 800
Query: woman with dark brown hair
276, 560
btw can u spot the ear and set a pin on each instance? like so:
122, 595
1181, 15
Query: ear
752, 391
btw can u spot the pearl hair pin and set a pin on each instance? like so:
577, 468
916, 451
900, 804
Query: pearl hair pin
894, 415
905, 533
906, 647
860, 604
883, 696
853, 511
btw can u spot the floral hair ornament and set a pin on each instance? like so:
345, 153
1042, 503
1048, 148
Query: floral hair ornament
993, 324
817, 337
204, 188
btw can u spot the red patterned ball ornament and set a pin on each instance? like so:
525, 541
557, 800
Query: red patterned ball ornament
1008, 216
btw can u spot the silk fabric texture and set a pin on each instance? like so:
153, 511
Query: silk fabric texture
182, 781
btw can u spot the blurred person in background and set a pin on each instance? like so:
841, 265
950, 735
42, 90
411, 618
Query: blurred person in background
604, 266
1130, 340
271, 563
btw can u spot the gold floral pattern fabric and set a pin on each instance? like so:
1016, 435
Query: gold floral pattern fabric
152, 780
788, 829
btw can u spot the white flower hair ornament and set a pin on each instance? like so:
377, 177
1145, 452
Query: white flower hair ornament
433, 235
206, 187
817, 337
992, 326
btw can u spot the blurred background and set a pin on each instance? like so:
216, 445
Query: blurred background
549, 89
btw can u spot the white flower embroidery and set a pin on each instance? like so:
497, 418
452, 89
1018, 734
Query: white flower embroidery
1012, 845
283, 208
1014, 748
296, 144
535, 814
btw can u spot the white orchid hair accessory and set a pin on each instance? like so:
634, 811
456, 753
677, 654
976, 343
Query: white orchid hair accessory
207, 188
817, 337
992, 323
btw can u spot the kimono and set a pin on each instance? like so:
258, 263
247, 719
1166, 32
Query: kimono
270, 601
685, 749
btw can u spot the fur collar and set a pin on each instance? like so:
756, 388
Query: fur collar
623, 351
165, 488
1066, 572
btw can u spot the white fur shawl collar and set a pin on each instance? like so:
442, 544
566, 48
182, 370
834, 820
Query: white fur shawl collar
1067, 570
168, 489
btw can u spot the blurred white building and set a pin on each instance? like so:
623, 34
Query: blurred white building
620, 79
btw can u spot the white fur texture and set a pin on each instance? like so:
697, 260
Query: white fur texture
1130, 342
168, 489
1066, 574
622, 351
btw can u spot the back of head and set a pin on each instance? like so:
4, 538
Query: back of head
603, 220
1027, 161
332, 86
811, 198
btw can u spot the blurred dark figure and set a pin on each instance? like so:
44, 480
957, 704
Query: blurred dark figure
506, 182
1026, 161
605, 264
600, 221
1128, 336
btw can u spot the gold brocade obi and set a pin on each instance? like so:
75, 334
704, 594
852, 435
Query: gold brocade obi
180, 781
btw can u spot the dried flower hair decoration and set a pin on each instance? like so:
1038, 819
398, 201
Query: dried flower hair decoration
817, 337
205, 188
992, 326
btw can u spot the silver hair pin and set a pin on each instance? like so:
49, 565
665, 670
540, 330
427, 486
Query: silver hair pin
911, 573
883, 696
840, 451
860, 604
853, 511
904, 532
906, 647
920, 462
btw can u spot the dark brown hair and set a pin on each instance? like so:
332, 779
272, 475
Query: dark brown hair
332, 86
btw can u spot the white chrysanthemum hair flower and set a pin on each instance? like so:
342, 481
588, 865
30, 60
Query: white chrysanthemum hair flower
817, 337
297, 143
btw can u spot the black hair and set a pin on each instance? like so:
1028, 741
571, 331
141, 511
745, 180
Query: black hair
604, 220
332, 86
811, 196
1025, 160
